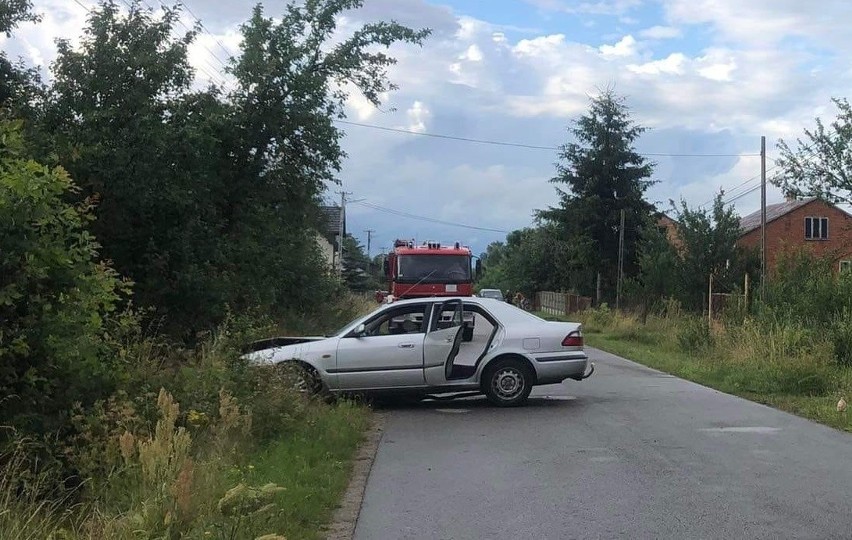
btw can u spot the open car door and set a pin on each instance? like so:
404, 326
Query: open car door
443, 341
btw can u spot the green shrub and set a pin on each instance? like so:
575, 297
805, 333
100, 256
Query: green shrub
57, 301
693, 334
600, 318
840, 334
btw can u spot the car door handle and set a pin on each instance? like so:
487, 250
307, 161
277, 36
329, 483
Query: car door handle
450, 339
406, 345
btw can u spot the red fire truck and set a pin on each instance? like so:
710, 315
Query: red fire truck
429, 269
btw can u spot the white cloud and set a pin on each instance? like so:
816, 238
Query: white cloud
625, 47
473, 54
418, 114
601, 7
718, 72
661, 32
672, 64
761, 67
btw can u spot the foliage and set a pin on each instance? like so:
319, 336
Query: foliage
57, 302
14, 12
709, 246
821, 164
18, 84
158, 469
358, 269
658, 262
231, 227
770, 361
534, 259
603, 175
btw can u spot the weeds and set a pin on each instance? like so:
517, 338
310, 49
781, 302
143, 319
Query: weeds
769, 357
169, 456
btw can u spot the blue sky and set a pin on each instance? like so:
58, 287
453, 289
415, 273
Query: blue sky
705, 76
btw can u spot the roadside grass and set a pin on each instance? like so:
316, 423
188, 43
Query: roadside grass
287, 488
778, 365
314, 466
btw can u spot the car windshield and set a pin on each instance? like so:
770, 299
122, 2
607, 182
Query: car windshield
434, 269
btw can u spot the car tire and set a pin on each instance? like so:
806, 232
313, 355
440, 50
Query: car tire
303, 379
507, 383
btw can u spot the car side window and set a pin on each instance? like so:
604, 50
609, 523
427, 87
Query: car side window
449, 317
404, 320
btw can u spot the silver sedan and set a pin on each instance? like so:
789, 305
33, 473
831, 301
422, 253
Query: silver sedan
417, 346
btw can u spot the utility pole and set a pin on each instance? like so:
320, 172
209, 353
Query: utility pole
369, 241
762, 216
340, 231
620, 262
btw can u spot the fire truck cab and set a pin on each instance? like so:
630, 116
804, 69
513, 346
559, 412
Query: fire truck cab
430, 269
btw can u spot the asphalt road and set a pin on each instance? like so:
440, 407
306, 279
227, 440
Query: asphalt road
629, 453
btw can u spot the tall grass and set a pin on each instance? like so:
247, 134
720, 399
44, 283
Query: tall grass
32, 507
767, 356
196, 444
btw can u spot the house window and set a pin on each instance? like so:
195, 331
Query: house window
845, 266
816, 228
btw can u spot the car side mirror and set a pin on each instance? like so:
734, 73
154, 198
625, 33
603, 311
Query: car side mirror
478, 268
360, 331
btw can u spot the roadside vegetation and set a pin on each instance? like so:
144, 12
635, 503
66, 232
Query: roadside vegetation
792, 351
149, 230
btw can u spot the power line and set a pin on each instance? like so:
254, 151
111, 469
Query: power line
514, 144
428, 219
82, 6
211, 77
201, 23
809, 151
189, 30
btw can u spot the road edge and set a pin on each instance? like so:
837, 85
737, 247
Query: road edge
345, 518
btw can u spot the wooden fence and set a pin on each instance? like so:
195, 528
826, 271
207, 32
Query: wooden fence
557, 303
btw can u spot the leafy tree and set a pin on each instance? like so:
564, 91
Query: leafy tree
17, 83
531, 260
14, 12
709, 246
603, 175
57, 301
658, 261
207, 199
821, 165
357, 266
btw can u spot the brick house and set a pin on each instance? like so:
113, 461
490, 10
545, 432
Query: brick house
819, 227
670, 228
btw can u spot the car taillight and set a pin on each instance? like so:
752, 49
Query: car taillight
574, 339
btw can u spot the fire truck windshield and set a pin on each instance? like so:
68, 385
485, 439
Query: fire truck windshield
434, 269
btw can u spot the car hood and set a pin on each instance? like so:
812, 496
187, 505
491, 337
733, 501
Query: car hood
301, 348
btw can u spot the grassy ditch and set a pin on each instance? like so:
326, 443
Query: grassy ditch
194, 443
220, 485
777, 363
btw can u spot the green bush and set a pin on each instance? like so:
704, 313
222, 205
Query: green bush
841, 338
58, 303
693, 334
600, 318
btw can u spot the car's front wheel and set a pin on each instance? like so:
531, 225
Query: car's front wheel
302, 379
507, 383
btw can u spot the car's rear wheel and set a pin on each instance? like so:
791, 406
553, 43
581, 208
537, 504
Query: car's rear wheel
507, 383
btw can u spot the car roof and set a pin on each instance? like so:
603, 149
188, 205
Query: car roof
498, 307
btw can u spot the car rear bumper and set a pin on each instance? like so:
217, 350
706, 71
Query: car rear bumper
556, 367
